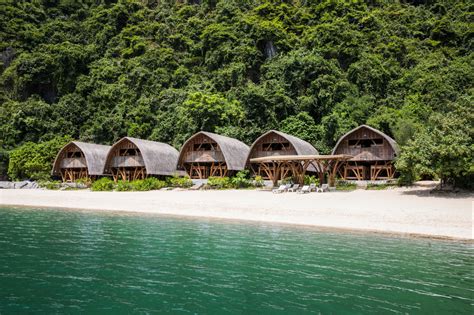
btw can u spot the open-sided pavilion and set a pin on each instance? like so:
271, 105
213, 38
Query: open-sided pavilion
277, 167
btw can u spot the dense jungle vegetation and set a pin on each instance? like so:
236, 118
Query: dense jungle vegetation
162, 70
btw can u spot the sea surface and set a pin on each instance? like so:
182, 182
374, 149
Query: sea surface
60, 261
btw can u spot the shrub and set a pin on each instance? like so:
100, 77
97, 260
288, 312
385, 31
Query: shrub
34, 160
219, 182
258, 181
124, 186
3, 163
150, 183
240, 180
310, 179
345, 186
50, 184
176, 181
103, 184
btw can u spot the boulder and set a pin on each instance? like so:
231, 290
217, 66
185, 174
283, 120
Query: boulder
7, 185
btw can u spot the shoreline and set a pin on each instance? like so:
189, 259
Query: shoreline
249, 221
406, 212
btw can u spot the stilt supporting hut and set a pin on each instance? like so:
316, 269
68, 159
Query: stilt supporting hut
207, 154
277, 143
373, 154
276, 166
80, 160
132, 158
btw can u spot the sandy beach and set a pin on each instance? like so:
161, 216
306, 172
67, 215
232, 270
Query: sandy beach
406, 211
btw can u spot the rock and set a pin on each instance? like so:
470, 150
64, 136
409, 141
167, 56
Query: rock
7, 185
21, 185
73, 185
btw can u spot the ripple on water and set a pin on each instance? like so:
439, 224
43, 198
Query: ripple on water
66, 261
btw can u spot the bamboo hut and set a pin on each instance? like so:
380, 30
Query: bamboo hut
132, 158
277, 143
78, 160
373, 154
207, 154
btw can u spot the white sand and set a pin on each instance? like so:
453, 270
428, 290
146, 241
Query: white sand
407, 211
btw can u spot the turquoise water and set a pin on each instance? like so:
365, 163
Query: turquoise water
54, 261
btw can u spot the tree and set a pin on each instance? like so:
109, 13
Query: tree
445, 148
35, 160
201, 111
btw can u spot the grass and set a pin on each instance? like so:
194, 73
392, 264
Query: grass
379, 186
343, 186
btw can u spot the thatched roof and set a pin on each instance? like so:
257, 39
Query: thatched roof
302, 147
390, 141
159, 158
235, 152
95, 155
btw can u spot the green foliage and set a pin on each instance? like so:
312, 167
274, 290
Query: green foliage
258, 181
445, 148
146, 184
4, 157
103, 184
123, 185
310, 179
378, 186
34, 160
101, 70
177, 181
345, 186
50, 184
241, 180
219, 182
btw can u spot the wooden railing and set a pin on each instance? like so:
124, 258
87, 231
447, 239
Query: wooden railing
203, 156
127, 161
383, 152
73, 163
273, 153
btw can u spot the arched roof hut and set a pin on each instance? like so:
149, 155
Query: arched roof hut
132, 158
208, 154
276, 143
373, 153
78, 160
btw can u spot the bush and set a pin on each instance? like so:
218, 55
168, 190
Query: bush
258, 181
48, 184
310, 179
103, 184
345, 186
176, 181
3, 164
34, 160
219, 182
240, 180
150, 183
124, 186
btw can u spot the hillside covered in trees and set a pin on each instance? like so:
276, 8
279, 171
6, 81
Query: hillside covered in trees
162, 70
